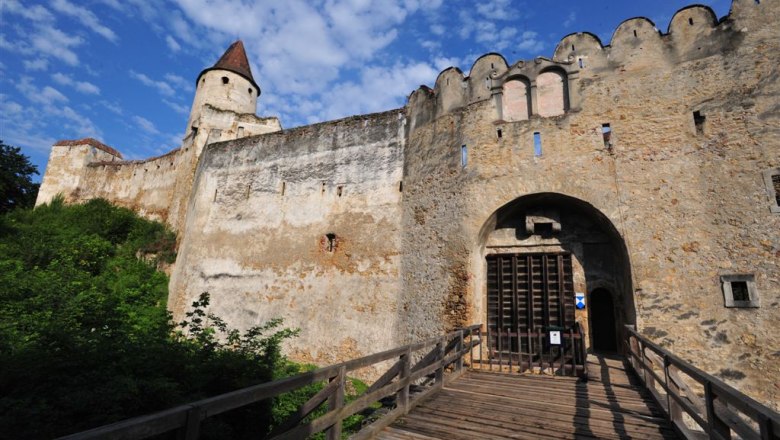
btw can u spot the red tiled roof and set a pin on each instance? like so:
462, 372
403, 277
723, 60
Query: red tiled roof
91, 142
234, 60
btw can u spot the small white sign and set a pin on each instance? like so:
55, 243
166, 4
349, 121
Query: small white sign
555, 337
579, 300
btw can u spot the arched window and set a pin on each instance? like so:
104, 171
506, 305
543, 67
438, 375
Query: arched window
551, 89
516, 100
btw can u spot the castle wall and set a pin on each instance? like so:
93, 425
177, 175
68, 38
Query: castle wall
67, 166
689, 206
256, 235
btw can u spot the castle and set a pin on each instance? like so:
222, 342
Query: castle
630, 183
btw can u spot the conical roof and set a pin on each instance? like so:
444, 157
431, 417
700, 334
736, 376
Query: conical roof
234, 60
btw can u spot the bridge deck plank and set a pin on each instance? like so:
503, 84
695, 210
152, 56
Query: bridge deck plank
482, 405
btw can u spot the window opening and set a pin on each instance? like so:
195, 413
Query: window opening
330, 242
606, 134
740, 290
487, 83
249, 90
635, 36
772, 182
581, 63
225, 80
323, 188
339, 190
572, 48
499, 133
537, 144
240, 132
284, 187
464, 156
401, 186
698, 121
690, 21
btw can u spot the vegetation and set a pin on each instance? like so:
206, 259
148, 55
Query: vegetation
17, 189
85, 338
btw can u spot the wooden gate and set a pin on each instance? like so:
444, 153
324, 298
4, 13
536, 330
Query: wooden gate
528, 295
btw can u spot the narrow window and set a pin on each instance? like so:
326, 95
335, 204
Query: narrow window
491, 66
330, 242
250, 91
248, 190
635, 36
690, 21
572, 48
401, 186
537, 144
240, 132
339, 190
740, 290
225, 80
499, 133
215, 194
284, 187
581, 62
464, 156
698, 121
487, 83
606, 134
323, 188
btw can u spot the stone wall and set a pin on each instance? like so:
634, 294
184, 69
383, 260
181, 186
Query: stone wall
302, 224
690, 206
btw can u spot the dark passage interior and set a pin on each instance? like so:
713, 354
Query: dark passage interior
602, 321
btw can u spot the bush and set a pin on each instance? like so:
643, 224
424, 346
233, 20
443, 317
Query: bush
85, 337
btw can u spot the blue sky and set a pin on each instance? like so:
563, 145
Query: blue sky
123, 71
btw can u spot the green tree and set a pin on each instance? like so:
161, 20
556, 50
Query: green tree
16, 186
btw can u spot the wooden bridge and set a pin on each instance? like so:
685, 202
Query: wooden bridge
464, 386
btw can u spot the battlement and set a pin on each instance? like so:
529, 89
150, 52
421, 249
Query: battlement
693, 33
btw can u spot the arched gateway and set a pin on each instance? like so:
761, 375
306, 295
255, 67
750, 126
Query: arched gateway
543, 256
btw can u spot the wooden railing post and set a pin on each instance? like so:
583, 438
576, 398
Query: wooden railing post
675, 411
406, 369
439, 358
336, 402
714, 424
192, 428
459, 347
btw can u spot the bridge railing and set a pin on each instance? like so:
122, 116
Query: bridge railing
514, 351
431, 362
699, 405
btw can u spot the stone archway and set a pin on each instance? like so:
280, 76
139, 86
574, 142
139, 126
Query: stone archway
545, 225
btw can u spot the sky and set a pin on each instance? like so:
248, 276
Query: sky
124, 71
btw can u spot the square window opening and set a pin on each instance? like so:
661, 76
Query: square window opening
739, 291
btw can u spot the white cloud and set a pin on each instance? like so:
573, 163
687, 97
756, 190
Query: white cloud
53, 42
497, 9
179, 82
570, 19
145, 125
178, 108
86, 17
162, 87
172, 44
113, 107
36, 64
45, 96
81, 86
33, 13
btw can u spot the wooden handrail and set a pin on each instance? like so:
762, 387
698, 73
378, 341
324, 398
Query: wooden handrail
449, 349
721, 411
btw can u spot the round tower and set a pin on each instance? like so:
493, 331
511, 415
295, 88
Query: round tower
228, 85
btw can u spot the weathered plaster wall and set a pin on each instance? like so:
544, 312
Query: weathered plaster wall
689, 207
67, 165
255, 236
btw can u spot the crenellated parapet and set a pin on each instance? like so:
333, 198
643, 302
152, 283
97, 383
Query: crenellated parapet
546, 87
